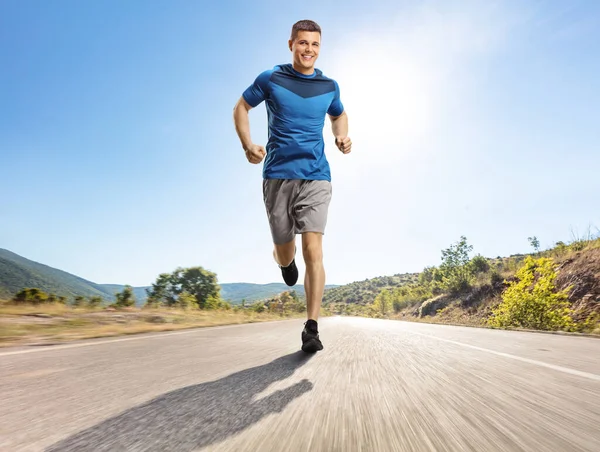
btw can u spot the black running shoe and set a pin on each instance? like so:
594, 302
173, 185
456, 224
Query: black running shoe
290, 273
310, 337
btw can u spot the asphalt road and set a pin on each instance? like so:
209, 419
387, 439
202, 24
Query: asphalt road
378, 386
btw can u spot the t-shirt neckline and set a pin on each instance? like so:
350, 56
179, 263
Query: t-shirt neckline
300, 74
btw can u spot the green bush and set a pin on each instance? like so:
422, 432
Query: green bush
33, 296
578, 245
479, 264
94, 302
456, 268
383, 302
532, 301
560, 249
186, 301
495, 277
126, 298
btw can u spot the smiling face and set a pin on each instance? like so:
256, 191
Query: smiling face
305, 51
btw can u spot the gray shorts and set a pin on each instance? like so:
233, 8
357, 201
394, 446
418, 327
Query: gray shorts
295, 206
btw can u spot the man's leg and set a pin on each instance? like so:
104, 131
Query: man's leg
284, 254
314, 277
314, 284
277, 194
310, 212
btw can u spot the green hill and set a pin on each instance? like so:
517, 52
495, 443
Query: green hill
557, 288
17, 273
138, 292
236, 292
364, 292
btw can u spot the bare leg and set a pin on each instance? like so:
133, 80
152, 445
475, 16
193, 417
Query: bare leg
314, 278
284, 254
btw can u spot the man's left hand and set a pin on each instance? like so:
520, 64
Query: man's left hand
344, 144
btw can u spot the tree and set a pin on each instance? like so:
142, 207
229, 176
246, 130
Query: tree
535, 243
163, 291
431, 278
196, 281
199, 282
78, 301
186, 301
213, 302
427, 275
456, 276
457, 254
94, 302
126, 298
383, 302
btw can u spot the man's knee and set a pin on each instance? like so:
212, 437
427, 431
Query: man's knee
312, 249
284, 253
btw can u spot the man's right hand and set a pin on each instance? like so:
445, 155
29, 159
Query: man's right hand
255, 153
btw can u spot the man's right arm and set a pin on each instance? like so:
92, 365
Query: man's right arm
254, 95
254, 152
242, 122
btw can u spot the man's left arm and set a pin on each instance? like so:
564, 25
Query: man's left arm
339, 127
339, 122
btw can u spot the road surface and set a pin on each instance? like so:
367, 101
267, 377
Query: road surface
378, 386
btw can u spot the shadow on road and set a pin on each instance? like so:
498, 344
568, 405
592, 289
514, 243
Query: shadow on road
195, 416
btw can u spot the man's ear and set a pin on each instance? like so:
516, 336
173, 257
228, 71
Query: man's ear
290, 42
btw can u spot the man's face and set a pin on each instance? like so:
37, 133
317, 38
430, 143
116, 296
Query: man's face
305, 49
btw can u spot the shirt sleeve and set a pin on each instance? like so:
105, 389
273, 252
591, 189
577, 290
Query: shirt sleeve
336, 108
258, 91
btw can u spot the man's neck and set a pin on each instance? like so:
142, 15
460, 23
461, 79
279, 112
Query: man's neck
303, 70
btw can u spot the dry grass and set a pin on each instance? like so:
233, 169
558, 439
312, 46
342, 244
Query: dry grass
25, 325
450, 315
51, 309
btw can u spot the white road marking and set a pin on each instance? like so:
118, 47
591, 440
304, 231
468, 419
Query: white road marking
518, 358
197, 330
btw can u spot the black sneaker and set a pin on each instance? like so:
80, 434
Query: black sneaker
290, 273
310, 337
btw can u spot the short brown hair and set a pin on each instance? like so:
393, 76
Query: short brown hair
304, 25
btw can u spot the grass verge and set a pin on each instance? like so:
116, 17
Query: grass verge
43, 325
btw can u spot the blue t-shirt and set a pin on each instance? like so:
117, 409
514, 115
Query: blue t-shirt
296, 107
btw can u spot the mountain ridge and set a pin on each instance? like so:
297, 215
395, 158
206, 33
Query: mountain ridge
18, 272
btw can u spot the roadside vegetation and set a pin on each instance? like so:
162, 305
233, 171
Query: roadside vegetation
185, 298
556, 289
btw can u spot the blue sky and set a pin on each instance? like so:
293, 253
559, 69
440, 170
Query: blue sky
119, 159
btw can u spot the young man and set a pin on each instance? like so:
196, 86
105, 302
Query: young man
296, 175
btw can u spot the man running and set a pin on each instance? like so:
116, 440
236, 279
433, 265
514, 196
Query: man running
296, 175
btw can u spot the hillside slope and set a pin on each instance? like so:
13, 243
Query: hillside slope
236, 292
562, 294
139, 292
577, 273
17, 272
364, 292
